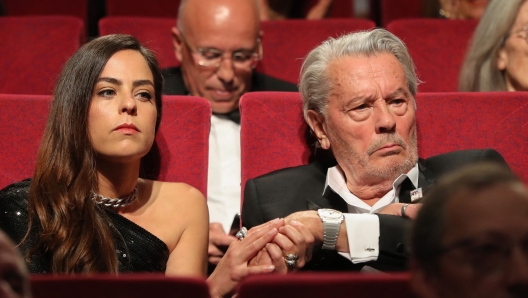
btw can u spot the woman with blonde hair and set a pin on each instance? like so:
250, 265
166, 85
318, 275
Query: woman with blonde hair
495, 59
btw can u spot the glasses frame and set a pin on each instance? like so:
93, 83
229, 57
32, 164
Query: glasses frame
256, 56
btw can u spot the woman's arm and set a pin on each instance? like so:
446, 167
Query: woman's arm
189, 257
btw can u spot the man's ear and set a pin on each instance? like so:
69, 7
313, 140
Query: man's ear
316, 121
177, 43
422, 283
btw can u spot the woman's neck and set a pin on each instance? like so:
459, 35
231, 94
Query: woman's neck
117, 179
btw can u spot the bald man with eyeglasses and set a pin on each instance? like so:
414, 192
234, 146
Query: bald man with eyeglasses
218, 45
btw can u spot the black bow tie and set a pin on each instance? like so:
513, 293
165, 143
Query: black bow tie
233, 116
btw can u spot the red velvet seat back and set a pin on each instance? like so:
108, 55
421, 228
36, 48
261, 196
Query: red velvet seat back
154, 33
438, 48
107, 286
164, 9
400, 9
273, 128
77, 8
335, 285
182, 139
286, 43
34, 50
23, 119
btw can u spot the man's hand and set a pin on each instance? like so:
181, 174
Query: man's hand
294, 238
219, 241
396, 209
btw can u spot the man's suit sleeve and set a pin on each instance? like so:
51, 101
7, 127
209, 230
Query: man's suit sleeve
251, 215
393, 233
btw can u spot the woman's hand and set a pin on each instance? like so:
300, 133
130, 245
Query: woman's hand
233, 267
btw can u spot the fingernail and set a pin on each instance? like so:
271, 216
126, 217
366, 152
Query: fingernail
273, 231
276, 220
270, 268
294, 222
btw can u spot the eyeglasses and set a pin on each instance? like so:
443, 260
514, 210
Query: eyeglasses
486, 254
521, 33
211, 57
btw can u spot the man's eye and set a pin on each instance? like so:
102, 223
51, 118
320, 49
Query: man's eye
486, 250
360, 107
397, 101
240, 56
211, 55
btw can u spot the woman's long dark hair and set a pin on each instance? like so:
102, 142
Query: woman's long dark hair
74, 232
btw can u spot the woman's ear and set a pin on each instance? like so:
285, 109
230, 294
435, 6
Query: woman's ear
502, 59
316, 121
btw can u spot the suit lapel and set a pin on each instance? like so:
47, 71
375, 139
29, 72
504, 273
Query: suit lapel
329, 199
425, 179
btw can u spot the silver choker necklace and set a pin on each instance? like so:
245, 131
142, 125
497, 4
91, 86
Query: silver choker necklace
117, 202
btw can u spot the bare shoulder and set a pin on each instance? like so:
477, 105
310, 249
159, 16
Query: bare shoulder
175, 197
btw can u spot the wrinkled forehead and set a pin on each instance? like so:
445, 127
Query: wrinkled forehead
361, 73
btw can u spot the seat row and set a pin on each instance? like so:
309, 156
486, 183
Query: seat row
273, 132
308, 285
32, 61
88, 9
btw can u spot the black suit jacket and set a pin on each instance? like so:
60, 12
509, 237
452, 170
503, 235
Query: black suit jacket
174, 84
283, 192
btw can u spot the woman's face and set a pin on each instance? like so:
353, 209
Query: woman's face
122, 115
513, 57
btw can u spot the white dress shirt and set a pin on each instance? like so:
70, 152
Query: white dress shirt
361, 223
223, 179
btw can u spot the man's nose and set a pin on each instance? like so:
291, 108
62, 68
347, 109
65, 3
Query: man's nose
226, 70
385, 121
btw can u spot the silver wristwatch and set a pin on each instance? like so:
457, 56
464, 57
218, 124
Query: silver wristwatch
331, 224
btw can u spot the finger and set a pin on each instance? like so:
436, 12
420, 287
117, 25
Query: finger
299, 244
308, 238
277, 260
221, 240
214, 260
284, 239
412, 210
252, 244
213, 250
277, 223
260, 269
216, 227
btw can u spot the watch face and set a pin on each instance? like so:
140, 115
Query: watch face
330, 213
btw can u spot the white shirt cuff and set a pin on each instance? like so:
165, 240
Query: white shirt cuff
363, 237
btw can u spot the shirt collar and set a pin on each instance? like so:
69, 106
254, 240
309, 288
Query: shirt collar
335, 179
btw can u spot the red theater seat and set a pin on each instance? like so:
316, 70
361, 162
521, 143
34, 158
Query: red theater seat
111, 286
154, 33
34, 50
77, 8
286, 43
400, 9
164, 9
437, 48
335, 285
273, 128
182, 140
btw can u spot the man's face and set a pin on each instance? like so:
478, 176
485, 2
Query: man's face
370, 121
486, 244
224, 28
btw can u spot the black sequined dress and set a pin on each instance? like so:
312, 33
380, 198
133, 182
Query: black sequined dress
137, 249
